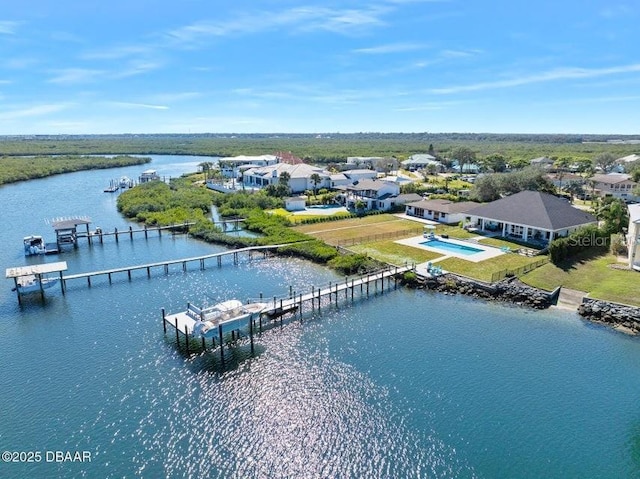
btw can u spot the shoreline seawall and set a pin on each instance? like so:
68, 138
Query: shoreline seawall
623, 318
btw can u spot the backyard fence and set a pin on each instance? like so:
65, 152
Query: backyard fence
498, 275
376, 237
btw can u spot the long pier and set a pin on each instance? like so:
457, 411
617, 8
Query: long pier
250, 250
99, 235
294, 303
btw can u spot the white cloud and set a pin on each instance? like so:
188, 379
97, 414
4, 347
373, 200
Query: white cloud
390, 48
313, 18
118, 52
33, 111
137, 68
70, 76
124, 104
552, 75
175, 97
8, 27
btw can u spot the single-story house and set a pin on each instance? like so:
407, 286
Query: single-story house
444, 211
421, 160
617, 185
633, 237
229, 166
295, 203
531, 216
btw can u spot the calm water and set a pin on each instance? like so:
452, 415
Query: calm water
408, 384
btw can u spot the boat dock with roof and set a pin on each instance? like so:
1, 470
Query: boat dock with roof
34, 279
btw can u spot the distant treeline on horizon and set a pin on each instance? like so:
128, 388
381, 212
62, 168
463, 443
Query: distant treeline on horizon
322, 147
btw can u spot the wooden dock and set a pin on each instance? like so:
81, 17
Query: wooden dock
294, 303
249, 251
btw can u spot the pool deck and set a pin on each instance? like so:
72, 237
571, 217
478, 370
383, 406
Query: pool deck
486, 253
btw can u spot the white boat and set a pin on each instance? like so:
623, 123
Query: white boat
34, 245
34, 284
228, 314
125, 182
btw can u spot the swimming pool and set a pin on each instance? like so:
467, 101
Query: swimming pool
452, 247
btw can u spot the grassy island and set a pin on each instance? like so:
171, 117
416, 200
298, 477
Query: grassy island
22, 168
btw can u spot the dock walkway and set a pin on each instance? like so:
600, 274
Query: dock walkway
184, 322
165, 264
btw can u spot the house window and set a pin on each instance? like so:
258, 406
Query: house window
516, 230
418, 211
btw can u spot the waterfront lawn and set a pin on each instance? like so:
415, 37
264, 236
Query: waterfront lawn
484, 270
293, 219
361, 230
394, 253
590, 273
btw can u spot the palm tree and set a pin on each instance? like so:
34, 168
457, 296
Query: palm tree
316, 179
206, 166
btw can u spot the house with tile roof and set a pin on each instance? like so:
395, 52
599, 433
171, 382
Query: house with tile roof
443, 211
530, 216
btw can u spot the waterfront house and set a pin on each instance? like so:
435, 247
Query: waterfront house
531, 216
231, 166
300, 176
617, 185
633, 237
374, 194
443, 211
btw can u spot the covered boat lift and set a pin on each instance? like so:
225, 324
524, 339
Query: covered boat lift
19, 273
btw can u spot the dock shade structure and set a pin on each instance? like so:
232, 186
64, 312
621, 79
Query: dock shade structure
67, 230
35, 279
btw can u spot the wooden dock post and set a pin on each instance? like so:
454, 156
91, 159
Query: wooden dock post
186, 338
330, 300
116, 234
177, 332
131, 233
251, 333
146, 232
164, 321
221, 344
109, 275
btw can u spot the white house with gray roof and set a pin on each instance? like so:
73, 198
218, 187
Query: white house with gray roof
231, 166
300, 176
374, 194
633, 238
530, 216
443, 211
421, 160
618, 185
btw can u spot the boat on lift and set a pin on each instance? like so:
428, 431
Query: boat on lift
227, 315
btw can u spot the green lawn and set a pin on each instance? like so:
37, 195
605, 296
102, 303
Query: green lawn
395, 253
591, 274
484, 270
298, 218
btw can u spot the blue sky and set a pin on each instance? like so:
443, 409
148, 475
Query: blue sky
195, 66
